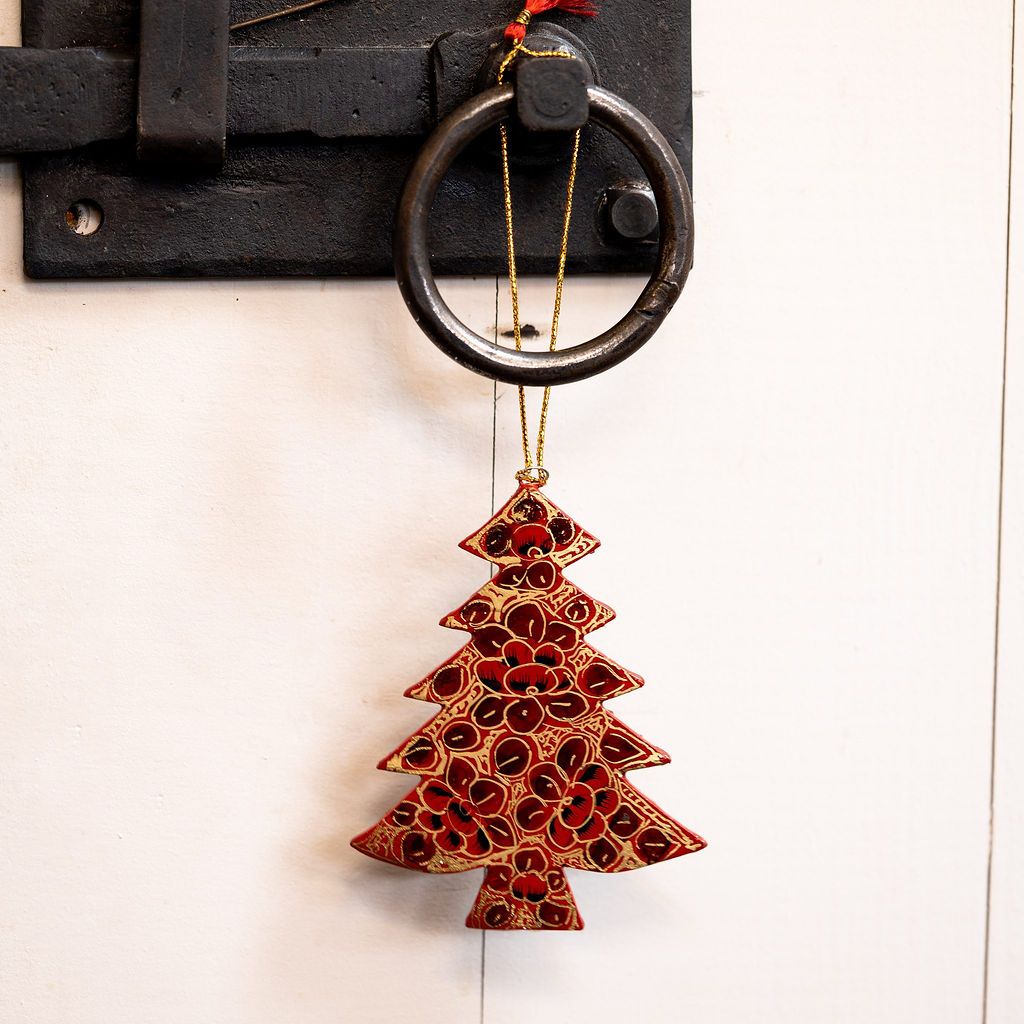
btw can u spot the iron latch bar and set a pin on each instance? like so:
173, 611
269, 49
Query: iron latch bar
56, 100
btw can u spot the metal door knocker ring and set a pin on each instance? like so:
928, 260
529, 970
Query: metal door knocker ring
539, 369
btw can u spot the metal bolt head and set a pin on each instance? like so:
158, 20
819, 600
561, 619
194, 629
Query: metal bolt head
551, 95
632, 213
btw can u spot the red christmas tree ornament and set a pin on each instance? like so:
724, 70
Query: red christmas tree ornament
523, 770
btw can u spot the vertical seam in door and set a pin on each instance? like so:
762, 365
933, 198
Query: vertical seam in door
999, 529
494, 407
494, 468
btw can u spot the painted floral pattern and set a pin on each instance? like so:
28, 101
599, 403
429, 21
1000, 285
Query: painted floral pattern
523, 770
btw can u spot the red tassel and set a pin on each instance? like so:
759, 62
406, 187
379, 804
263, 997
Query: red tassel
516, 31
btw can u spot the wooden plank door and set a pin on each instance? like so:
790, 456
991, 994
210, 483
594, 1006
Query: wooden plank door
228, 517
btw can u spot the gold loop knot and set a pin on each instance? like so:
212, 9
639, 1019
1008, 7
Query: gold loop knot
539, 476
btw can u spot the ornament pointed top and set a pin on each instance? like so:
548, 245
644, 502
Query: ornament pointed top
530, 527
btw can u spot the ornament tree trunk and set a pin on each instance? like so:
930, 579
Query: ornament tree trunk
523, 770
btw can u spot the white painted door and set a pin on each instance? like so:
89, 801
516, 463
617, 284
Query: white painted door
228, 517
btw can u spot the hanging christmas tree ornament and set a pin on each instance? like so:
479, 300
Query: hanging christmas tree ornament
523, 770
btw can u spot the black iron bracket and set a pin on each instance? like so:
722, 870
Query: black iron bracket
156, 142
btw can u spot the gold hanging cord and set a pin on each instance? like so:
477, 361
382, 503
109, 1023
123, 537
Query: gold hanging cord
531, 472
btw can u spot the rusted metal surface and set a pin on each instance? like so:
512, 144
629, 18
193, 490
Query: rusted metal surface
325, 113
53, 100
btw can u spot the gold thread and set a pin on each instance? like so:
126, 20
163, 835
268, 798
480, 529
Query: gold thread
530, 473
539, 476
524, 17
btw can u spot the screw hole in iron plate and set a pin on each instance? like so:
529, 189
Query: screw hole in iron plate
84, 217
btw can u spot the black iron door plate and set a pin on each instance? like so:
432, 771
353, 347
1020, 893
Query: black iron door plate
158, 141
